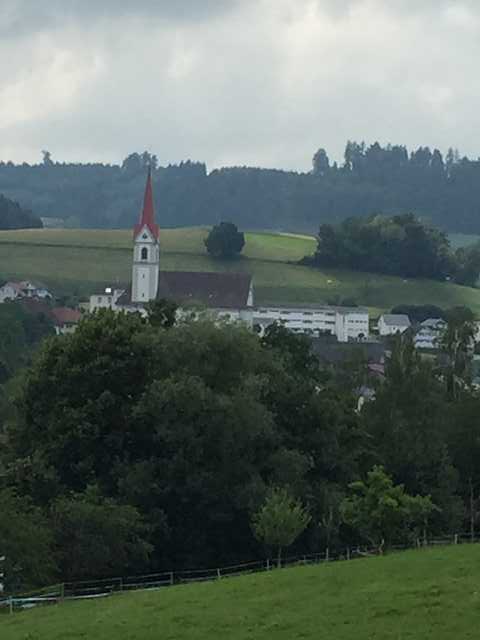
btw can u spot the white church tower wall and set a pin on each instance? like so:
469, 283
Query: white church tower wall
146, 252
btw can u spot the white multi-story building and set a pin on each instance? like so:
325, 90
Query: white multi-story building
346, 323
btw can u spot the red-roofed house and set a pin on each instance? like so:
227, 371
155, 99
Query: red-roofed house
65, 320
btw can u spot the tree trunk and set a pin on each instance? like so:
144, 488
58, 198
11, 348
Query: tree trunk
472, 509
279, 557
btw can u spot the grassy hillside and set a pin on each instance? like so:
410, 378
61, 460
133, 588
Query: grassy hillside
419, 595
462, 239
81, 261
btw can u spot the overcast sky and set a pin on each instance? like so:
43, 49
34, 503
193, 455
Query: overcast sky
256, 82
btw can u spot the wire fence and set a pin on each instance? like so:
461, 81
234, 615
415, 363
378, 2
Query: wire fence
86, 589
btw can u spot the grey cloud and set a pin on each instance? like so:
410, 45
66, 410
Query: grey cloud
261, 82
18, 17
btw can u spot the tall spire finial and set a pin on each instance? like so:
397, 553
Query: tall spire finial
147, 218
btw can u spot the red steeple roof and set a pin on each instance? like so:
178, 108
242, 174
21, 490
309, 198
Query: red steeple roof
147, 219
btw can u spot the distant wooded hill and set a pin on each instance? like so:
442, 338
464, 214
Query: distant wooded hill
374, 179
12, 216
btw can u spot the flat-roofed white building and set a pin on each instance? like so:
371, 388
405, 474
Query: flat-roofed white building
346, 323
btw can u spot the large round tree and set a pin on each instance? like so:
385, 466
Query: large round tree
225, 240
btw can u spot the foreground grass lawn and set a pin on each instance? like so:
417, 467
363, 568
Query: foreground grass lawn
82, 261
433, 594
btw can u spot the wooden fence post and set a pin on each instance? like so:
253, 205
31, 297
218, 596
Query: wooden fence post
327, 554
268, 564
219, 575
348, 553
455, 539
171, 578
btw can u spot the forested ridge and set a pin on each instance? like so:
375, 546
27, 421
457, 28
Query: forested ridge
370, 180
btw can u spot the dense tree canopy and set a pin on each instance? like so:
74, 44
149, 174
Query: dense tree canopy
21, 329
224, 240
397, 245
157, 441
12, 216
389, 179
188, 424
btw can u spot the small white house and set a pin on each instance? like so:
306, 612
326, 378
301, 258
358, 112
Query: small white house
390, 324
107, 299
9, 291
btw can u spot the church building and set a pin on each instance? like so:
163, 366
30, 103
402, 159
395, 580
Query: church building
227, 295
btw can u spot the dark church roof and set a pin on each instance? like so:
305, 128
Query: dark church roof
209, 289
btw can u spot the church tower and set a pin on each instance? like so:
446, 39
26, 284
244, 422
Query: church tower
146, 251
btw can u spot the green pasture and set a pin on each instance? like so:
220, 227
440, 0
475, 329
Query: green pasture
462, 240
266, 246
82, 261
414, 595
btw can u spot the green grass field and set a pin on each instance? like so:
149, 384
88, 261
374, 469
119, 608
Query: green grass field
415, 595
462, 240
83, 261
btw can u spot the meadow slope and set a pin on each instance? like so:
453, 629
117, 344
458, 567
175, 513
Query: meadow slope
82, 261
417, 595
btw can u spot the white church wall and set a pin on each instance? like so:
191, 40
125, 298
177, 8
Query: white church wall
146, 265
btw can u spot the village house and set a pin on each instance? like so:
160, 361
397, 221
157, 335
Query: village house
65, 320
389, 324
24, 289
